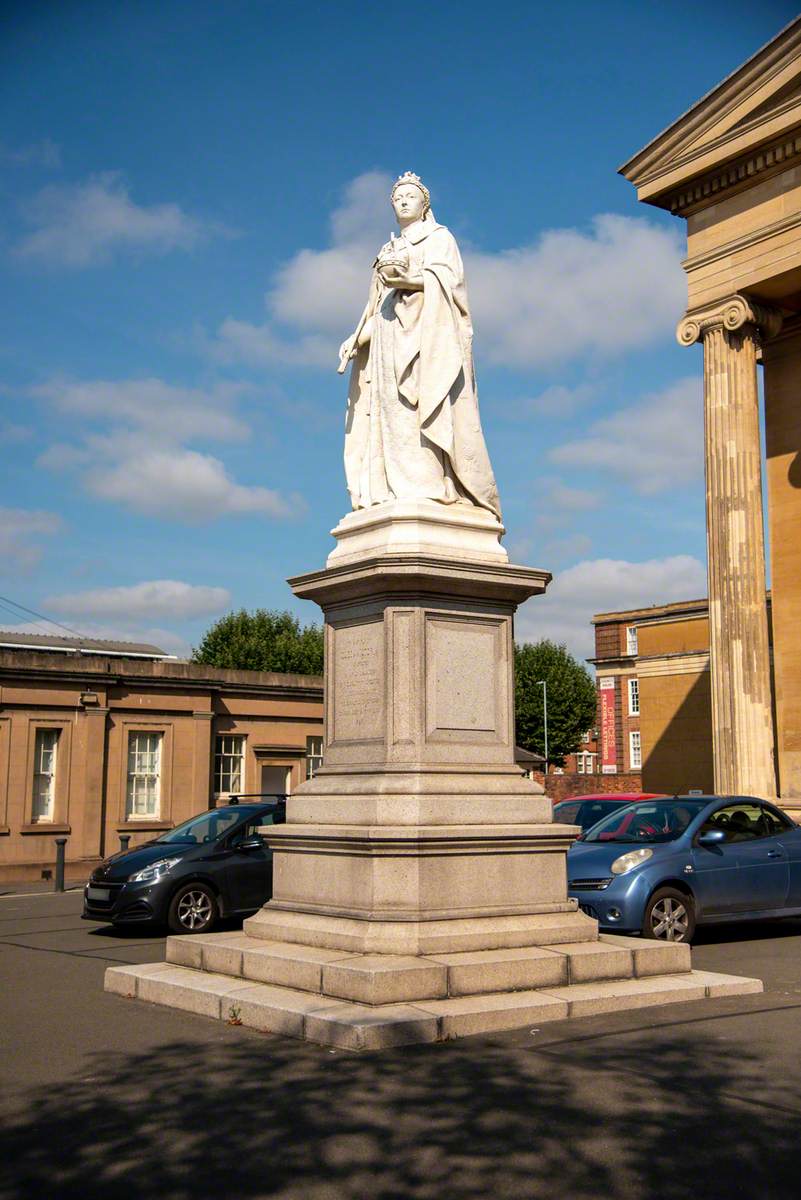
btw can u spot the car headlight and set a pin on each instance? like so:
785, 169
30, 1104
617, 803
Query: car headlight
627, 862
154, 871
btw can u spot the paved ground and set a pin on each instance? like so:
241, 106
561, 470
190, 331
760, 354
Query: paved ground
105, 1097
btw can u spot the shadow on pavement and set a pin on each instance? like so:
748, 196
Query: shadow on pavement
747, 931
144, 930
460, 1121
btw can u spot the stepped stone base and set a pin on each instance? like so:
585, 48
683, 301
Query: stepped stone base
368, 1001
419, 885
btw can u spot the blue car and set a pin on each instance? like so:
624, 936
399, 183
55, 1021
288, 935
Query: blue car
660, 867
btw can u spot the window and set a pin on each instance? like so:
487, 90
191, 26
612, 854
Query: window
314, 755
635, 750
631, 639
229, 765
745, 822
44, 775
634, 697
585, 737
144, 775
585, 764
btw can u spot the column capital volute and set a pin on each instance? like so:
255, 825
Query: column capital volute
732, 313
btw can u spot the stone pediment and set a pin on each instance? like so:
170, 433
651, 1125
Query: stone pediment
747, 125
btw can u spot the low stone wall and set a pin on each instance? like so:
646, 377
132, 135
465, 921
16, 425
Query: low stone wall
563, 787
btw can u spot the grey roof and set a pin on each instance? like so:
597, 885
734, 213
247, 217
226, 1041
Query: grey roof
9, 639
522, 755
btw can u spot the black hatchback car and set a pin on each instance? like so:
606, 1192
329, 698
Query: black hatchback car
214, 865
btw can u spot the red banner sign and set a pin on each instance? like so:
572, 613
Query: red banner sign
606, 688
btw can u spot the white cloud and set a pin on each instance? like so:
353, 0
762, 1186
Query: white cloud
555, 401
18, 528
603, 291
143, 462
165, 639
12, 435
614, 288
319, 294
36, 154
76, 225
564, 613
571, 499
653, 445
182, 484
165, 411
156, 599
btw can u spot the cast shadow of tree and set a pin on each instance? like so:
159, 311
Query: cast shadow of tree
264, 1117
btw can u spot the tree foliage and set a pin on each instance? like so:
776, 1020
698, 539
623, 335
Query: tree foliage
571, 699
262, 641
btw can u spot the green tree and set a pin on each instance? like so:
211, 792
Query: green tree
571, 699
262, 641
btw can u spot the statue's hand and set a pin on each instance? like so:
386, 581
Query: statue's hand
396, 277
347, 351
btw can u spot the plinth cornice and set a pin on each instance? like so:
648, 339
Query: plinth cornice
731, 313
393, 575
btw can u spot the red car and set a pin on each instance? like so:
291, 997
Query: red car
586, 811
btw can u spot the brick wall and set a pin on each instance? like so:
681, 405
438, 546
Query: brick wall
607, 641
561, 787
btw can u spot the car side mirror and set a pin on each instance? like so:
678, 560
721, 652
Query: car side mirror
712, 837
251, 843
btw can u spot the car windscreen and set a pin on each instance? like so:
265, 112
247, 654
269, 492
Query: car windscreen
647, 821
594, 811
207, 827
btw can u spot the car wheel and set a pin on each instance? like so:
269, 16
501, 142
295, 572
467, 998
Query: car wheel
669, 916
193, 909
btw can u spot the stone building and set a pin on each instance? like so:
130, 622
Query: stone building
731, 168
99, 739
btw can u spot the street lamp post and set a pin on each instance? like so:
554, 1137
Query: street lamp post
544, 685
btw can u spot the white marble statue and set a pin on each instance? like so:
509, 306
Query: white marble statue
413, 430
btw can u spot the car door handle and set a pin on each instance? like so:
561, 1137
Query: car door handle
774, 853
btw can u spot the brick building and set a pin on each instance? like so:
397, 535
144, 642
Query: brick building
99, 739
609, 758
657, 660
618, 686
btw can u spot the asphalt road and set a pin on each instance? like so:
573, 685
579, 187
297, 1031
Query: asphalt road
106, 1097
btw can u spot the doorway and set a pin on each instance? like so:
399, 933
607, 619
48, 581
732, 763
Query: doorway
275, 780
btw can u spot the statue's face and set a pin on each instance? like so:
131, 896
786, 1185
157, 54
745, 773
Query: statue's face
408, 202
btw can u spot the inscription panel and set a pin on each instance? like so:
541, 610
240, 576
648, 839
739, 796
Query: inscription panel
464, 678
359, 675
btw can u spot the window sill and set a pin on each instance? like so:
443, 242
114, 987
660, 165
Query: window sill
45, 827
145, 824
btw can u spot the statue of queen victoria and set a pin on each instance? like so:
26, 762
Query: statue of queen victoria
413, 431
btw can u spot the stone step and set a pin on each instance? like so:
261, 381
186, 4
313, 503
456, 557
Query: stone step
390, 978
353, 1026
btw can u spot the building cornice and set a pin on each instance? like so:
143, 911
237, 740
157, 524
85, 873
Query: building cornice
673, 664
769, 72
81, 679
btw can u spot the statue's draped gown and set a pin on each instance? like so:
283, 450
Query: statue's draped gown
413, 429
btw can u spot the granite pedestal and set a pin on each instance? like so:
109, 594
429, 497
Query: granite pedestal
419, 884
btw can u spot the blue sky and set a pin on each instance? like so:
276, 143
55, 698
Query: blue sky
191, 195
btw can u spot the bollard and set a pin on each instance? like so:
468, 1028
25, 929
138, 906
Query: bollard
125, 839
60, 844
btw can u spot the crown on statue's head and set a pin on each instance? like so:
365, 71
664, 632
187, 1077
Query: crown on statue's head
409, 177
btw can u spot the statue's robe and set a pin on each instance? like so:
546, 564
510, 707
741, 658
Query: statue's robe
413, 429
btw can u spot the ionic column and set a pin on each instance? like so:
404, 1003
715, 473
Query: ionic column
742, 722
